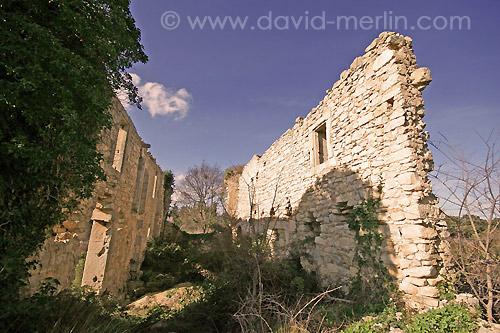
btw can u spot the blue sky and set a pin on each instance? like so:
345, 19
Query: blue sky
236, 91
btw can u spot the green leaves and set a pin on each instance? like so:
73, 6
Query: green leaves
363, 220
451, 318
59, 63
372, 281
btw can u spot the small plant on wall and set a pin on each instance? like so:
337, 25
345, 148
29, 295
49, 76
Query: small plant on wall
372, 282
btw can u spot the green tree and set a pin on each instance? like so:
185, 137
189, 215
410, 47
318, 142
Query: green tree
168, 190
60, 62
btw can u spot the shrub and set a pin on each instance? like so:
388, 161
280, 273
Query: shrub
69, 311
389, 317
228, 270
450, 318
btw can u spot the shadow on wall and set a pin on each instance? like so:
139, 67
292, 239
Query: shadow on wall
318, 229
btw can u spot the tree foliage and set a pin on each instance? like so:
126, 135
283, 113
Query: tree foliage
60, 62
201, 193
168, 190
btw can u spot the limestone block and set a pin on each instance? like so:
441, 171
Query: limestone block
397, 216
320, 241
401, 155
423, 255
59, 229
429, 302
409, 248
396, 41
467, 299
395, 123
390, 183
99, 215
404, 263
71, 225
428, 262
424, 247
331, 268
421, 272
428, 291
412, 231
408, 178
408, 287
421, 78
416, 281
393, 80
383, 59
409, 41
404, 202
411, 212
372, 45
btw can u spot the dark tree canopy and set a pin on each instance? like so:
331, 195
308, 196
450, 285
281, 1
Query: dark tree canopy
60, 62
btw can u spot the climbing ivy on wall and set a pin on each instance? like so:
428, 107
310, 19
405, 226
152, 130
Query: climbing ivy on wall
363, 220
372, 282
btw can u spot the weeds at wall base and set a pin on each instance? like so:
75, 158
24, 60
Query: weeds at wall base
284, 298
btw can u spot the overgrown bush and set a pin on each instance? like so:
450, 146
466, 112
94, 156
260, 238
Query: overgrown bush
265, 292
453, 317
69, 311
450, 318
389, 318
230, 272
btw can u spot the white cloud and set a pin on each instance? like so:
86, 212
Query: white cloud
180, 177
175, 197
123, 98
136, 79
159, 100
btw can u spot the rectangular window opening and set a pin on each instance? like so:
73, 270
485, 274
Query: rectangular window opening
321, 148
120, 148
138, 184
154, 186
144, 194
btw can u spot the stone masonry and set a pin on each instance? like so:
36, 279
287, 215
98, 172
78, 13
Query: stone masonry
111, 230
367, 131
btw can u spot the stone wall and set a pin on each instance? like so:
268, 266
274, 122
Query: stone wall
111, 230
367, 131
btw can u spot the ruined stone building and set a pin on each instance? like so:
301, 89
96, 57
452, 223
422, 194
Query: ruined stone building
111, 229
366, 132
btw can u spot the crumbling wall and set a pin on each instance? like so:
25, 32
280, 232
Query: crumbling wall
110, 230
231, 183
367, 131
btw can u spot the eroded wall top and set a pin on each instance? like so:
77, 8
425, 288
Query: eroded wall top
107, 237
366, 132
